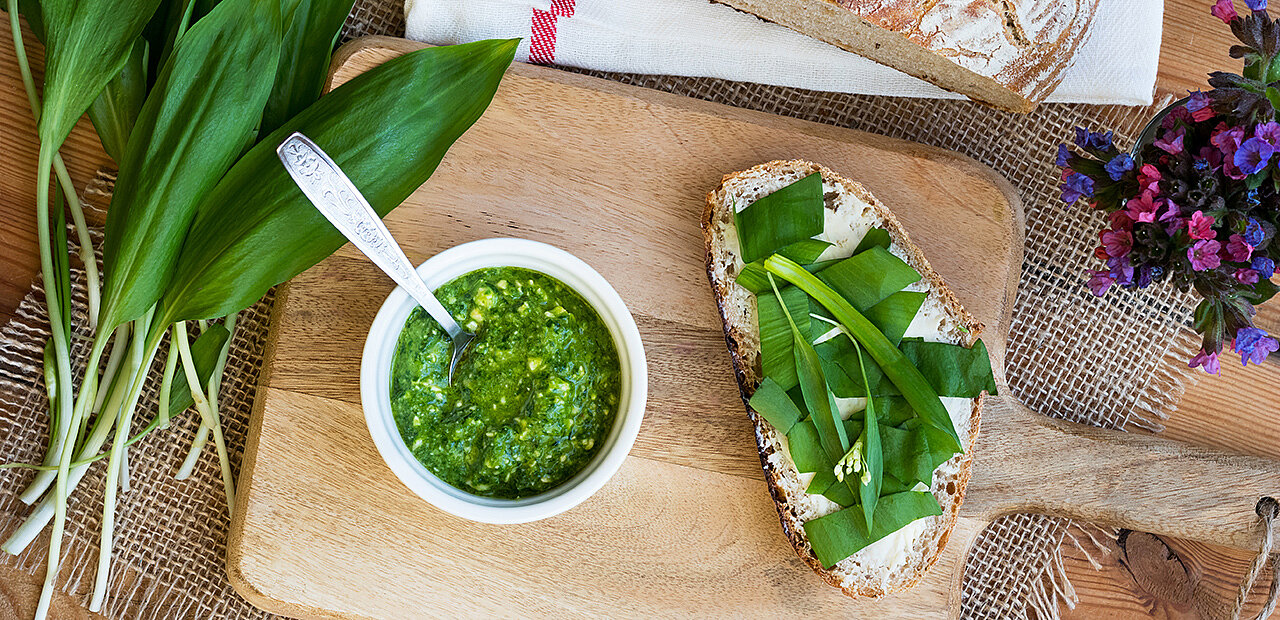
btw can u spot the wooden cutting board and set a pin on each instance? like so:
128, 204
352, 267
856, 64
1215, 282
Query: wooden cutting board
617, 175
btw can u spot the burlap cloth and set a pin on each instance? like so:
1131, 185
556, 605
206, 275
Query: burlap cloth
1116, 361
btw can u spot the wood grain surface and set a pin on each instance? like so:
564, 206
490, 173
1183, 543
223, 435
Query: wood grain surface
616, 175
1237, 411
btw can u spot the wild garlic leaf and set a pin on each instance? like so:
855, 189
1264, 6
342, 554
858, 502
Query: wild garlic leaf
754, 278
777, 345
843, 533
867, 278
869, 490
817, 398
309, 37
918, 392
875, 238
893, 314
116, 109
192, 127
791, 214
387, 128
951, 369
773, 404
87, 42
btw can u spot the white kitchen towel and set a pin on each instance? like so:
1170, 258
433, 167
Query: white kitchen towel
1116, 65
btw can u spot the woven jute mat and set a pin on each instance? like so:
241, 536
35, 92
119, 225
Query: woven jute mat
1116, 361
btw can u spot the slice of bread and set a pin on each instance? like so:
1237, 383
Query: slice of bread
1010, 54
898, 561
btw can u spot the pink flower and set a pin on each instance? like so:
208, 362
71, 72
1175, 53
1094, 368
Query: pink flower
1238, 249
1171, 141
1200, 226
1208, 361
1204, 255
1117, 242
1228, 141
1224, 11
1143, 208
1246, 276
1100, 281
1149, 178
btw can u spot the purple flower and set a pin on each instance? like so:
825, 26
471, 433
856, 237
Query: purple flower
1264, 266
1208, 361
1171, 141
1100, 281
1200, 226
1117, 242
1253, 233
1119, 165
1253, 155
1076, 186
1238, 249
1100, 140
1256, 5
1246, 276
1225, 11
1204, 255
1268, 132
1064, 155
1254, 345
1145, 276
1197, 100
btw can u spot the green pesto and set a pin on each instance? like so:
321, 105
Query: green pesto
534, 398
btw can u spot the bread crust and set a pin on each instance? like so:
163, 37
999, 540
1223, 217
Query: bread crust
748, 380
1010, 54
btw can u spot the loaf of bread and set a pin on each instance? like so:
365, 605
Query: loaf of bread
898, 561
1010, 54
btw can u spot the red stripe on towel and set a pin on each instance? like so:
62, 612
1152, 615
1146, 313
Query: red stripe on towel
542, 29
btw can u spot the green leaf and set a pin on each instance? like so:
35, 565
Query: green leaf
841, 534
304, 59
894, 314
817, 397
387, 129
754, 278
893, 410
777, 346
1262, 292
115, 111
30, 9
791, 214
869, 491
867, 278
875, 238
61, 259
952, 370
772, 403
1273, 95
192, 127
806, 448
906, 455
87, 42
914, 387
840, 365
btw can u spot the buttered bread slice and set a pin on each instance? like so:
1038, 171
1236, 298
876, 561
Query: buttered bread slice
897, 561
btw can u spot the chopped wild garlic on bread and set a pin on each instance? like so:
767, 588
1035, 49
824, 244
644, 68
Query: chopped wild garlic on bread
862, 373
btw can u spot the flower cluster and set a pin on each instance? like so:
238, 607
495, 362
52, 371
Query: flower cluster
1197, 201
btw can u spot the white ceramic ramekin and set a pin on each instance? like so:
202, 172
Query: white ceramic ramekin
379, 349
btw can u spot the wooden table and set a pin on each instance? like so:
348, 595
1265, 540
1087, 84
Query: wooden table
1237, 411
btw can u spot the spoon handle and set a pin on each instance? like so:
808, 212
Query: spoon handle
337, 198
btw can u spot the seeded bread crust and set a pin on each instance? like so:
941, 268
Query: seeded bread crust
737, 307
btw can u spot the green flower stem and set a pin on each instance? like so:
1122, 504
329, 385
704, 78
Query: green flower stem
119, 350
919, 394
62, 358
166, 384
60, 170
193, 454
202, 406
114, 479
